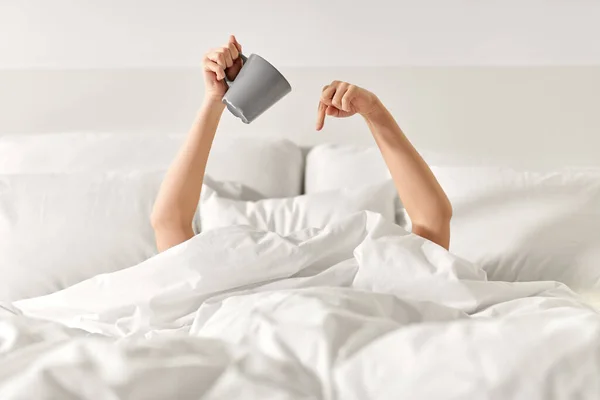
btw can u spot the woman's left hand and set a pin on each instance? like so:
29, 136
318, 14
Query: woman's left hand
342, 99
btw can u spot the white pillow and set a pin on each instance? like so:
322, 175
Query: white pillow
336, 166
287, 215
86, 152
270, 167
57, 230
525, 226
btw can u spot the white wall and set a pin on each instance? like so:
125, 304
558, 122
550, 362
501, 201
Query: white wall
132, 66
544, 115
167, 33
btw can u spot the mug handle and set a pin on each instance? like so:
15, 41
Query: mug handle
244, 59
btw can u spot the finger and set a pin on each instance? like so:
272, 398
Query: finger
233, 50
234, 70
324, 91
214, 67
327, 94
339, 95
332, 110
232, 39
348, 97
218, 58
321, 116
228, 58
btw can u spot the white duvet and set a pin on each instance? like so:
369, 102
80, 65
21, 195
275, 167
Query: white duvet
358, 310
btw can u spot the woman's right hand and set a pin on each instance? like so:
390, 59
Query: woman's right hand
218, 63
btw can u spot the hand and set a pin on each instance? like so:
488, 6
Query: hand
341, 100
218, 63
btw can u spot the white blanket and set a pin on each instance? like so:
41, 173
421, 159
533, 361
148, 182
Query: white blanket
358, 310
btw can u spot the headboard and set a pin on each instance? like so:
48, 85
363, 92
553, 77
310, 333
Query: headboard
540, 116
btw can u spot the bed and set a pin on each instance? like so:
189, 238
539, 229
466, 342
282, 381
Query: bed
304, 283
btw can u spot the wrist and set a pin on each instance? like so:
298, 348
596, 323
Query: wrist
213, 103
374, 112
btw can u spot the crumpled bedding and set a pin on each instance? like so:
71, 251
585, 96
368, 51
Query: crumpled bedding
358, 310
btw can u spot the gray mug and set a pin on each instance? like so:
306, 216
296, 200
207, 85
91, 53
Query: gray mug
255, 89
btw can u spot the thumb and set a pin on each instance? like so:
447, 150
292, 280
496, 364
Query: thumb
232, 39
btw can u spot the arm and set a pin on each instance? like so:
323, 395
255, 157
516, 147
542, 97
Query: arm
177, 200
424, 199
179, 193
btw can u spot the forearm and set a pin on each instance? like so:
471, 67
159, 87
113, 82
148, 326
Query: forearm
422, 196
179, 194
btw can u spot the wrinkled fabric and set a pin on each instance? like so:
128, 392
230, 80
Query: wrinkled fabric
358, 310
